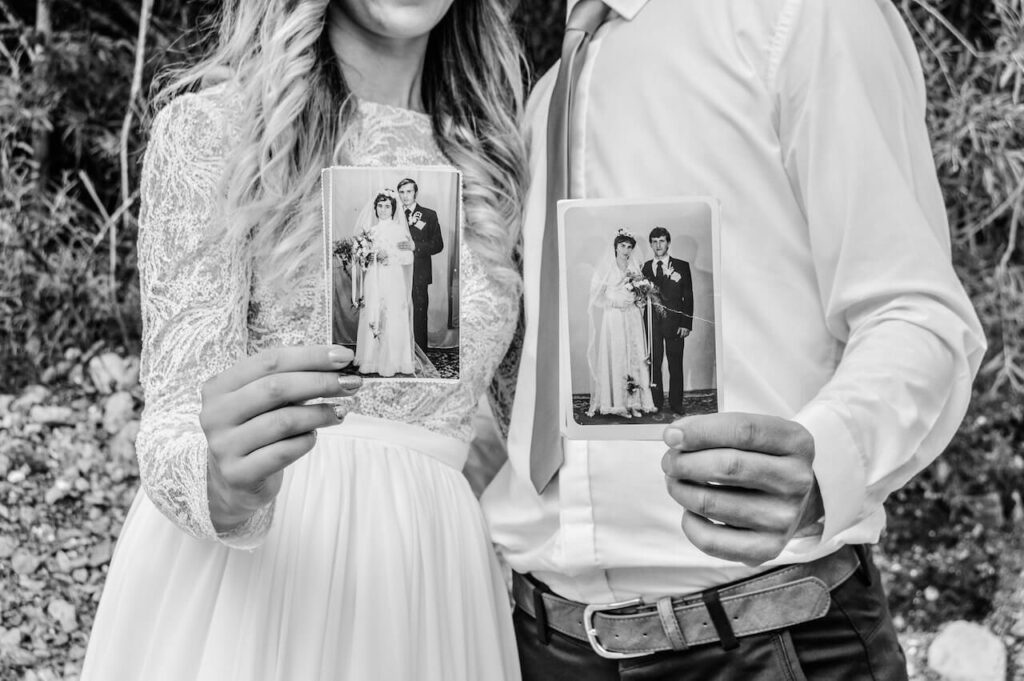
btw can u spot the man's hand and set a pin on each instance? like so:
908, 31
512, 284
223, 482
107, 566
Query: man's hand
745, 482
405, 245
683, 332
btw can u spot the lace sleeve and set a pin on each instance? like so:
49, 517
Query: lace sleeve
194, 293
502, 390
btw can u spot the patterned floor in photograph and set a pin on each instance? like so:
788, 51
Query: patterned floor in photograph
445, 360
694, 402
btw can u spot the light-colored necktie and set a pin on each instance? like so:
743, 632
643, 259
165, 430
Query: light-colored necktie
546, 444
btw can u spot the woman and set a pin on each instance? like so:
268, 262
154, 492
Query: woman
366, 553
384, 340
617, 353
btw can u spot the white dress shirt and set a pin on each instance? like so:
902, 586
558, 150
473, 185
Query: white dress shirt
840, 308
411, 209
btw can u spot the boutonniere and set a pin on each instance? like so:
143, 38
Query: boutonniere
417, 218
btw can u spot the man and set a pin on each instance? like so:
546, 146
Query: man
427, 242
849, 347
672, 322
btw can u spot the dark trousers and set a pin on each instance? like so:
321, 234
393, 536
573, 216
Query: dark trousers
671, 345
420, 302
854, 641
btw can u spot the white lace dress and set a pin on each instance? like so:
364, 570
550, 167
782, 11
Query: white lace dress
384, 339
620, 378
374, 562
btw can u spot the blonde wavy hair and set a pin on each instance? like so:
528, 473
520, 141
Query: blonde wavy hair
297, 106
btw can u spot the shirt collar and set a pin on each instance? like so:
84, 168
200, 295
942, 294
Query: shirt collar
627, 9
412, 208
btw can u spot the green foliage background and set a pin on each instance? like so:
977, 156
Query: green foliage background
68, 278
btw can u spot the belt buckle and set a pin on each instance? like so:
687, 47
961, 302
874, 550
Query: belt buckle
588, 627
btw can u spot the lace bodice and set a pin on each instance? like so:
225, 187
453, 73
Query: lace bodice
388, 237
204, 305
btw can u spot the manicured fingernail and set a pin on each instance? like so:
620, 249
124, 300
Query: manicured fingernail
673, 437
339, 356
340, 412
350, 382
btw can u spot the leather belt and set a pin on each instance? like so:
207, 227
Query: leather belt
772, 600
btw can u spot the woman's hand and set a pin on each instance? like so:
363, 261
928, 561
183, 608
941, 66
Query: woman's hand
256, 423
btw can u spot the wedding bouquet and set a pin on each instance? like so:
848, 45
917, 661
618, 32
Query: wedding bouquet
360, 249
640, 286
363, 249
342, 250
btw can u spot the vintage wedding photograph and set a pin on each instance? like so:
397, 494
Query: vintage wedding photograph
392, 243
639, 287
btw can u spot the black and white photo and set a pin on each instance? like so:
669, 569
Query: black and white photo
640, 324
392, 236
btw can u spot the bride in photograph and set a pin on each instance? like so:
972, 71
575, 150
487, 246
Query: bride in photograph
384, 340
617, 349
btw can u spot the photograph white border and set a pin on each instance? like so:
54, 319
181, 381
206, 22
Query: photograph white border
652, 432
326, 214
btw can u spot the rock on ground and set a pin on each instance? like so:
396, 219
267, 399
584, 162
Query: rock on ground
109, 372
964, 651
118, 411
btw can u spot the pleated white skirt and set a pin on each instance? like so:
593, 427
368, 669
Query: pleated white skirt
377, 566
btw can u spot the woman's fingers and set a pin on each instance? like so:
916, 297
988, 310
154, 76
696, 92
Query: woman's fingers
270, 427
245, 462
278, 360
268, 393
249, 473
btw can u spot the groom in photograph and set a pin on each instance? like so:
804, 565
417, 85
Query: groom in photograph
427, 242
672, 322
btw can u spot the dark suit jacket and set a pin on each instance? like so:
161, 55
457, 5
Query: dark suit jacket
427, 242
675, 295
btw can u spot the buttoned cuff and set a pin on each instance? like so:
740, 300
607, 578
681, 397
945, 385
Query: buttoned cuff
838, 466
